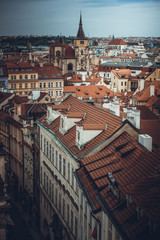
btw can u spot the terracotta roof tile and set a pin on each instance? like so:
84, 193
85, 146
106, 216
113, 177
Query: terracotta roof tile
134, 172
117, 42
93, 117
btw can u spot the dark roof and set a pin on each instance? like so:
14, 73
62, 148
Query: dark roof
80, 34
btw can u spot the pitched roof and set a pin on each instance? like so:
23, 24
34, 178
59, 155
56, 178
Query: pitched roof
80, 34
93, 117
47, 71
69, 51
130, 164
117, 41
94, 91
4, 96
122, 73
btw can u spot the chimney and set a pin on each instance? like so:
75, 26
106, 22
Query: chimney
83, 78
146, 141
141, 84
152, 90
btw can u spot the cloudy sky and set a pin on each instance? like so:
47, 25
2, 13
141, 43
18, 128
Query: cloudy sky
100, 18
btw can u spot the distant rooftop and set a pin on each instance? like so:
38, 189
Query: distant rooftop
127, 64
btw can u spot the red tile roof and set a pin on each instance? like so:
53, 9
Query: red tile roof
133, 169
94, 91
93, 117
47, 71
117, 42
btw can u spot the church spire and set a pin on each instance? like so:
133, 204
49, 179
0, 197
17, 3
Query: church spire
80, 34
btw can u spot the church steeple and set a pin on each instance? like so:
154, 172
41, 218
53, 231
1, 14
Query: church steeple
80, 34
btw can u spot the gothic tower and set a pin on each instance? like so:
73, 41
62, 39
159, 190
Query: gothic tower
81, 49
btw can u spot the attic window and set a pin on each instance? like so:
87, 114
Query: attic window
78, 136
45, 75
97, 93
78, 89
52, 75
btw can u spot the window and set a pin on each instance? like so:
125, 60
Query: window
56, 84
41, 142
47, 148
81, 52
11, 86
72, 177
58, 53
60, 162
50, 151
31, 85
44, 180
26, 76
20, 76
64, 167
47, 184
121, 83
31, 76
60, 84
63, 208
72, 220
81, 61
59, 202
14, 86
69, 172
40, 85
20, 85
56, 158
34, 76
125, 83
44, 147
60, 93
50, 187
44, 85
34, 85
56, 93
52, 155
68, 213
26, 85
70, 66
81, 42
14, 76
11, 77
52, 193
49, 85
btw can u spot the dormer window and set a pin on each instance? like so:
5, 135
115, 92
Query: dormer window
62, 123
78, 136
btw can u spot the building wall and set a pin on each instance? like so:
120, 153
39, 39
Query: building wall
54, 87
58, 188
22, 83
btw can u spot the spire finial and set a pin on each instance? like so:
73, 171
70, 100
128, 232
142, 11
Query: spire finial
80, 33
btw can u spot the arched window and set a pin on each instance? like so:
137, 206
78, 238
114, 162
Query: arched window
58, 53
70, 66
81, 52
